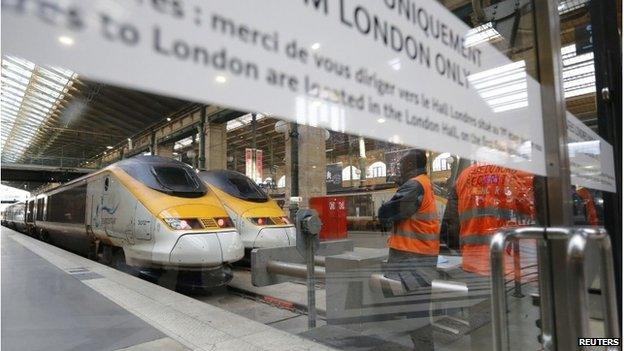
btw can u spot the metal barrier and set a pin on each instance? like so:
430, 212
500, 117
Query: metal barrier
280, 264
577, 239
296, 270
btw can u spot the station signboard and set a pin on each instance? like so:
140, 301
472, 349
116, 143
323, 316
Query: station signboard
406, 72
591, 157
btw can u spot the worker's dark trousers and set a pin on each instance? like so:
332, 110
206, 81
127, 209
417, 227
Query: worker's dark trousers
416, 272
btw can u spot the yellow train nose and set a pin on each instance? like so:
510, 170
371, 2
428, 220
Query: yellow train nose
193, 211
196, 217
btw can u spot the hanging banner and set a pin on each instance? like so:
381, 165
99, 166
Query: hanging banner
258, 166
407, 72
253, 164
591, 157
249, 164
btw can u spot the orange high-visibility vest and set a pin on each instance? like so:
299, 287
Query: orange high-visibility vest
490, 198
421, 232
591, 214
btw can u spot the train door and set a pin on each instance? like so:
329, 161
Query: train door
118, 209
29, 216
107, 208
143, 223
95, 189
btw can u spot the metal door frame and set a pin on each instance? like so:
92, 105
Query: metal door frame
560, 325
555, 201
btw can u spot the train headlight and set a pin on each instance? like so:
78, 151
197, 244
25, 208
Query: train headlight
224, 222
261, 220
183, 223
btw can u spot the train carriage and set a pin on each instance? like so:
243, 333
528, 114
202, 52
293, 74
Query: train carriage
14, 216
146, 213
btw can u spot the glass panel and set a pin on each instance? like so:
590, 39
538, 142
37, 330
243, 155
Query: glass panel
404, 256
587, 156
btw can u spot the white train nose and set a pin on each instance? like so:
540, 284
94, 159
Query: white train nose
275, 237
207, 249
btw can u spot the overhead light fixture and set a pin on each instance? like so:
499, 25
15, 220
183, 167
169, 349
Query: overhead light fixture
220, 79
315, 46
109, 147
65, 40
129, 139
168, 119
503, 88
395, 63
381, 120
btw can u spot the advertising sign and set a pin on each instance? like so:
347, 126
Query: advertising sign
333, 178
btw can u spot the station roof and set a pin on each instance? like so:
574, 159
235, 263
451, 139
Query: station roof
52, 116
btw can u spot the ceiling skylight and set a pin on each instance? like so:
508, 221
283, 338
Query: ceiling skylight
30, 95
242, 121
578, 72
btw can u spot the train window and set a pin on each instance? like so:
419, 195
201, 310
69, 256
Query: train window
30, 212
235, 184
39, 209
106, 183
68, 206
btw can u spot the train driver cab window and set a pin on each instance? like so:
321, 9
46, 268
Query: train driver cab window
173, 177
235, 184
106, 183
164, 175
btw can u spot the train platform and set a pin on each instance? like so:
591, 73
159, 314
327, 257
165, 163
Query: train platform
55, 300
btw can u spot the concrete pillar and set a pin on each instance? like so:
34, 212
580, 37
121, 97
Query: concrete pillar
312, 164
215, 146
165, 150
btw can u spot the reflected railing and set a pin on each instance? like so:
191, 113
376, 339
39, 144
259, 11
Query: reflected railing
576, 247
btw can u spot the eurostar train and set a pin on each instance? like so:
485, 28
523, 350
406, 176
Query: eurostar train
258, 218
13, 216
149, 213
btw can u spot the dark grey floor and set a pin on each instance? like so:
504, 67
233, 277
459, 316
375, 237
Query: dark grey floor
45, 308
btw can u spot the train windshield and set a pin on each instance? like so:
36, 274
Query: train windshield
235, 184
165, 175
173, 177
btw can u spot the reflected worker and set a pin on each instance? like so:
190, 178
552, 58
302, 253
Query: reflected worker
486, 199
414, 241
